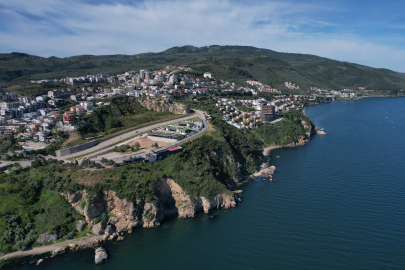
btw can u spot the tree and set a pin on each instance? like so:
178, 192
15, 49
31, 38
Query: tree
137, 145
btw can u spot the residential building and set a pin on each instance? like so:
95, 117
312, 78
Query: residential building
267, 114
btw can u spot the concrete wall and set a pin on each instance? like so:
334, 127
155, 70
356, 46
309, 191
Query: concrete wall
75, 149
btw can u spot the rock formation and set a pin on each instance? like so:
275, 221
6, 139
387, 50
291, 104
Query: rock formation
58, 251
163, 105
80, 225
99, 228
47, 237
268, 171
100, 256
170, 201
174, 199
126, 215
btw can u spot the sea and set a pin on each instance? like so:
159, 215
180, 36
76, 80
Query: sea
336, 203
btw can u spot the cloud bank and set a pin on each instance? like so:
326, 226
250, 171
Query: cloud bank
73, 27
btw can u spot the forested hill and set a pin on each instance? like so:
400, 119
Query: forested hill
233, 63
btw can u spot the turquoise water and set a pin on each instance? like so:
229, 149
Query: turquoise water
336, 203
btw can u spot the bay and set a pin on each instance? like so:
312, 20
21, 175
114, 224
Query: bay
336, 203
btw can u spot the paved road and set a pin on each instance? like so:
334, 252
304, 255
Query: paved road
199, 114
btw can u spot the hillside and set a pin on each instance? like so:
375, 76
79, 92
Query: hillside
233, 63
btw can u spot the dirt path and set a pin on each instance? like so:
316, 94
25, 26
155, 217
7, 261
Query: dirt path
81, 242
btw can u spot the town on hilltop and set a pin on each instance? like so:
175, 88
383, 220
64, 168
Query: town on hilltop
42, 122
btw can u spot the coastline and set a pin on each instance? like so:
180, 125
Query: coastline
92, 241
265, 159
80, 243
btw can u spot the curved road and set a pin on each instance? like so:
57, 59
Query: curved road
199, 114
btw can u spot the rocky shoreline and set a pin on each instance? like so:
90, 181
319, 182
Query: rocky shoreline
124, 216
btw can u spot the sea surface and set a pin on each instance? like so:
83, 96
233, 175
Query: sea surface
336, 203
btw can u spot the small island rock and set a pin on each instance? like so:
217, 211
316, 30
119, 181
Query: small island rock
100, 256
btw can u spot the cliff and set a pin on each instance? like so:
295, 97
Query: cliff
163, 105
170, 201
176, 202
125, 215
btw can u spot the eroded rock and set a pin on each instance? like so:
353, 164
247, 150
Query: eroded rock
109, 230
164, 105
100, 256
81, 225
99, 228
58, 251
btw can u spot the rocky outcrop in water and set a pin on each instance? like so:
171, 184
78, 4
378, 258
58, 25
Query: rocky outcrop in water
100, 256
163, 105
268, 171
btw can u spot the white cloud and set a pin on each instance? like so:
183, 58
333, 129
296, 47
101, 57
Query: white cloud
65, 28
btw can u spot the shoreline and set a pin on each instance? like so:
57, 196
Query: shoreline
91, 241
81, 243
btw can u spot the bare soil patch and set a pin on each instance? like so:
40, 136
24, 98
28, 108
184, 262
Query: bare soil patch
146, 143
73, 137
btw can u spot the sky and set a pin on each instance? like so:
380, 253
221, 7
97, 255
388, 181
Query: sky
370, 33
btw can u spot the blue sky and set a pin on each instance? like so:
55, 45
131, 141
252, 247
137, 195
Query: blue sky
368, 32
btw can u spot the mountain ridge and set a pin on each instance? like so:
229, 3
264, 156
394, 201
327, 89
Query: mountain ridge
236, 63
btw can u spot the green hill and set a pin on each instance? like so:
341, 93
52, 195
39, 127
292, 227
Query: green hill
232, 63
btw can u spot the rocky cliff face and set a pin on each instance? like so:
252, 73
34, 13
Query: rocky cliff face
171, 201
310, 127
175, 201
163, 105
124, 215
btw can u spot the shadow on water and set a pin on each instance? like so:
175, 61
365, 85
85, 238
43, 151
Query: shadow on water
261, 178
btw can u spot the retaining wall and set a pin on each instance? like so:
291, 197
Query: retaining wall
72, 150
